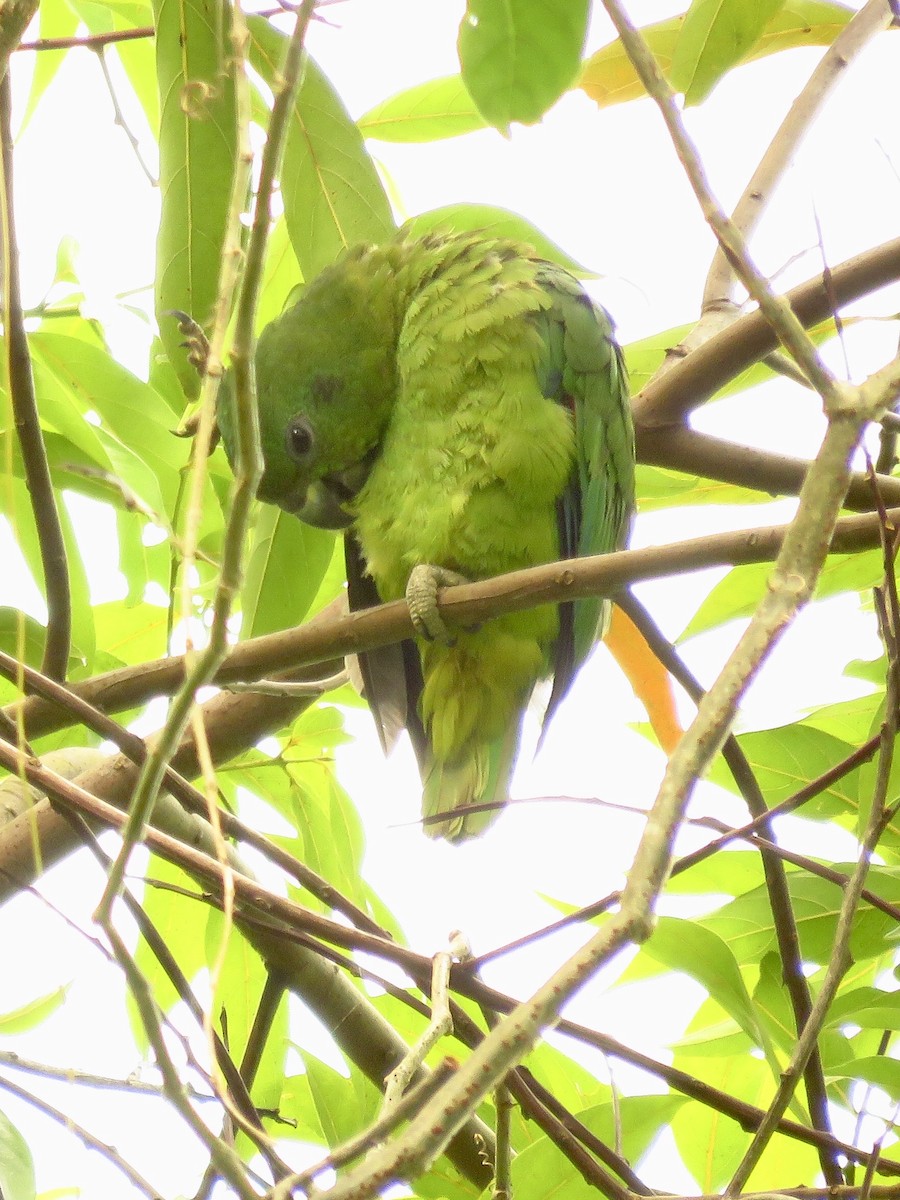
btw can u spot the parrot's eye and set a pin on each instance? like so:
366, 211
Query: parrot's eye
299, 439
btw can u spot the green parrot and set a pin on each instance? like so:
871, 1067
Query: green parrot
459, 407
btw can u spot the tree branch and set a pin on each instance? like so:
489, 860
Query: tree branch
679, 448
329, 637
860, 29
28, 424
699, 375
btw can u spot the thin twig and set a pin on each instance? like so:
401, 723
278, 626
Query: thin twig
102, 1083
776, 309
120, 116
28, 426
852, 39
110, 1153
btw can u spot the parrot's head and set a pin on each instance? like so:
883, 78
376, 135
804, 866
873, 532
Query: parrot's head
326, 385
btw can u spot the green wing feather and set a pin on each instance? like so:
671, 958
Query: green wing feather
584, 370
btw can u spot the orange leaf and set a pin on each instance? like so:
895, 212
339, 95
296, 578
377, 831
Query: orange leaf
646, 674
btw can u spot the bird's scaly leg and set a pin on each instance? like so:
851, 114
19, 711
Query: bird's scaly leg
421, 597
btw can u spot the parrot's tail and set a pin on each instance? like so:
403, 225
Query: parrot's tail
469, 789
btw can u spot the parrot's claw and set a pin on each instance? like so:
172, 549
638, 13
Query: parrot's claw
421, 598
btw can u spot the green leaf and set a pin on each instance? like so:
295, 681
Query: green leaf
729, 872
868, 1007
332, 195
519, 56
609, 78
286, 565
498, 222
541, 1170
181, 922
21, 636
688, 947
658, 488
136, 439
281, 277
787, 758
739, 593
16, 1164
132, 633
325, 818
35, 1012
712, 1144
429, 112
344, 1106
746, 923
716, 35
57, 20
198, 151
881, 1071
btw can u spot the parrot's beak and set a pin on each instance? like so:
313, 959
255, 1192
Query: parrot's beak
322, 507
325, 502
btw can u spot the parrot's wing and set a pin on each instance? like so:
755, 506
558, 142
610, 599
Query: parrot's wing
584, 370
392, 675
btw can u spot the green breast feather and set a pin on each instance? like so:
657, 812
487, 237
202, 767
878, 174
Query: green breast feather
452, 401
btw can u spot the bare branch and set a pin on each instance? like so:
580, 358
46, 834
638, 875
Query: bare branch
852, 39
699, 375
28, 425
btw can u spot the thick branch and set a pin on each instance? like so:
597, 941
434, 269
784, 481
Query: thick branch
691, 382
679, 448
327, 638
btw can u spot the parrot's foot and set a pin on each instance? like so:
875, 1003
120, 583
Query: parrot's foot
421, 598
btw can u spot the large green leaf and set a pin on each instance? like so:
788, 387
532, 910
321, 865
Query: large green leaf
332, 195
285, 567
344, 1106
688, 947
739, 593
541, 1170
240, 980
747, 925
519, 56
609, 78
787, 758
880, 1071
137, 441
715, 35
198, 149
57, 20
428, 112
16, 1164
181, 922
131, 633
711, 1143
658, 488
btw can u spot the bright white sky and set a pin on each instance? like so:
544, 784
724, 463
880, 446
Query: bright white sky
606, 186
